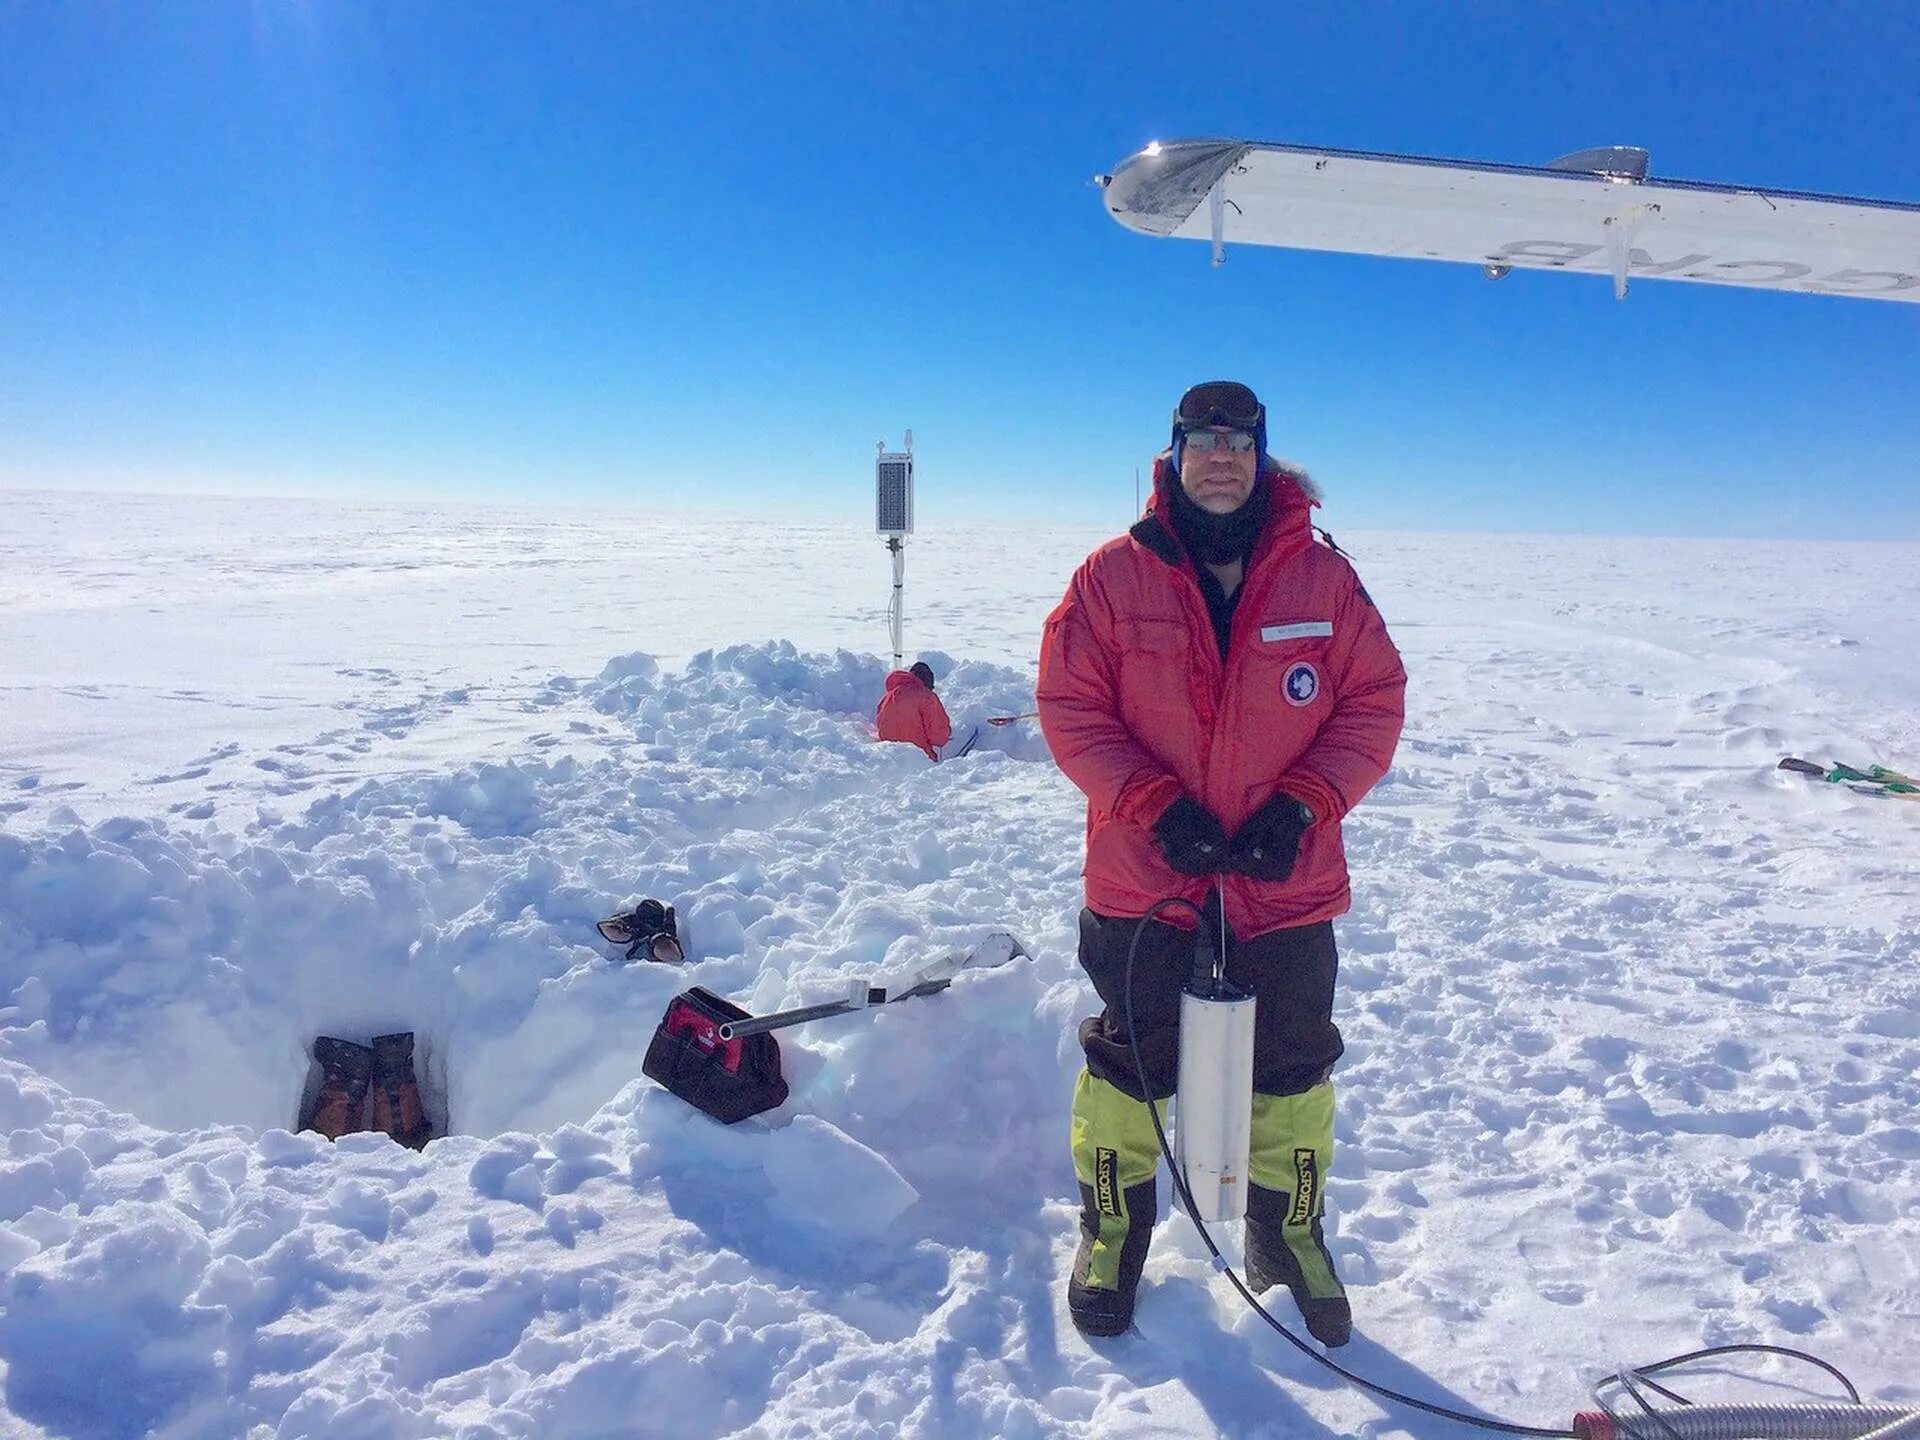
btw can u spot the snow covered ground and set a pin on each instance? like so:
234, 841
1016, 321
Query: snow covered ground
1633, 1019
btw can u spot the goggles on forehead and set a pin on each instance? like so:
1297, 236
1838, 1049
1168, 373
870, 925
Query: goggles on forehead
1200, 441
1220, 402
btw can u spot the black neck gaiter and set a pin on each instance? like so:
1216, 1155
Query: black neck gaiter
1219, 539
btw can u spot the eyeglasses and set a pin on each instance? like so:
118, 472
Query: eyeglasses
1201, 441
1220, 402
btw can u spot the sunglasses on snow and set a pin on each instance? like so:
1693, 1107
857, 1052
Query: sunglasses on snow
1201, 441
640, 932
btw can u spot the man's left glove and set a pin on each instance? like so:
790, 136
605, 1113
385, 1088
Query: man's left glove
1266, 846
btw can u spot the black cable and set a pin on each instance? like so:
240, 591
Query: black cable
1640, 1372
1654, 1385
1853, 1395
1625, 1379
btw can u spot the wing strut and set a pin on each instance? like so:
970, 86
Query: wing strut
1217, 217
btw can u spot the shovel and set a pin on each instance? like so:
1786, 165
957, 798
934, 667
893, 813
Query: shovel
725, 1062
930, 979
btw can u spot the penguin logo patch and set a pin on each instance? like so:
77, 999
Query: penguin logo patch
1302, 685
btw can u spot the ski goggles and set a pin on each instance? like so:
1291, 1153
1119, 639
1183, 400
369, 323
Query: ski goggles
648, 930
1201, 441
1225, 403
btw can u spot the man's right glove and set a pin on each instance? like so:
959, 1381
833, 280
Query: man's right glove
1192, 840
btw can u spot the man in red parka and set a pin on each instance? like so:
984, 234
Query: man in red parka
910, 711
1220, 685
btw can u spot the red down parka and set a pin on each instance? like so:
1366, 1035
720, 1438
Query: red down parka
1138, 706
911, 712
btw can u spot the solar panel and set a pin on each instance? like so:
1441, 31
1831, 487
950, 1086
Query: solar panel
893, 494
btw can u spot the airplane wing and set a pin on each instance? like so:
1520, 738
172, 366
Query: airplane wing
1594, 212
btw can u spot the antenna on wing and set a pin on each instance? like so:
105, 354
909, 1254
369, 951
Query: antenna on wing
1623, 164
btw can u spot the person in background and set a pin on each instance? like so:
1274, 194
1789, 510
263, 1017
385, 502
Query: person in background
911, 712
1221, 687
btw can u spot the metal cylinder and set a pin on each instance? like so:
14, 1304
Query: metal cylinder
1213, 1110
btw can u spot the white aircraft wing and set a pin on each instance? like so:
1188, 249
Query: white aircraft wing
1594, 212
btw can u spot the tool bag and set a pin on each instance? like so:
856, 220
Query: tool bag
727, 1079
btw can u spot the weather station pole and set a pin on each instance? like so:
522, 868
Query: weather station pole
893, 518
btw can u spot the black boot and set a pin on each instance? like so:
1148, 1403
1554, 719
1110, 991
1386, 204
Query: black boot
1271, 1260
345, 1069
1100, 1308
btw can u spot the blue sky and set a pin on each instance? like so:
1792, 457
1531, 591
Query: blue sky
699, 255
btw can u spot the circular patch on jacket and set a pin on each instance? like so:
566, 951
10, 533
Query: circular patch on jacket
1302, 684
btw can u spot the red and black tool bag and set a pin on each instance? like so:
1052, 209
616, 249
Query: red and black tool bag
727, 1079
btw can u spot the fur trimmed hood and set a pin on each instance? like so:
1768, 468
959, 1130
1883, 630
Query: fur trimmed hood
1309, 486
1295, 495
1275, 466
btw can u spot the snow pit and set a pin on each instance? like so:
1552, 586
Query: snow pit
180, 971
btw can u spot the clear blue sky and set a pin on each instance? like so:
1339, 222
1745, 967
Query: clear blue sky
694, 254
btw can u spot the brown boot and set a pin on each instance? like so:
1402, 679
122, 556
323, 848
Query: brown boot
345, 1069
397, 1110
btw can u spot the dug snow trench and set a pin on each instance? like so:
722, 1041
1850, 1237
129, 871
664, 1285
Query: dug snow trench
180, 972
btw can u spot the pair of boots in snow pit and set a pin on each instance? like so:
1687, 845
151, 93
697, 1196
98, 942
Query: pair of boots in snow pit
369, 1087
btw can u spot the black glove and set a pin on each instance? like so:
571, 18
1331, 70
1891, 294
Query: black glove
1268, 844
1191, 839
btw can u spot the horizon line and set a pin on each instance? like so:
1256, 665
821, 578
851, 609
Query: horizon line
758, 511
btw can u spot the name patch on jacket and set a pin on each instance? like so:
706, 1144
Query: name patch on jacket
1299, 630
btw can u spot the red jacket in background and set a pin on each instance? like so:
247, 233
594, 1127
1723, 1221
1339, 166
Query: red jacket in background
911, 712
1138, 706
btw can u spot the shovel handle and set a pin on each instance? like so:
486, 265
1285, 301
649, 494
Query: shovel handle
781, 1019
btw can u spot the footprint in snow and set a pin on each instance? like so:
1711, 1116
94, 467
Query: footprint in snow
1797, 1317
1564, 1292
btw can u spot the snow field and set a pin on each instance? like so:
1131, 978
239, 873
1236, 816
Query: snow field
1633, 1019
